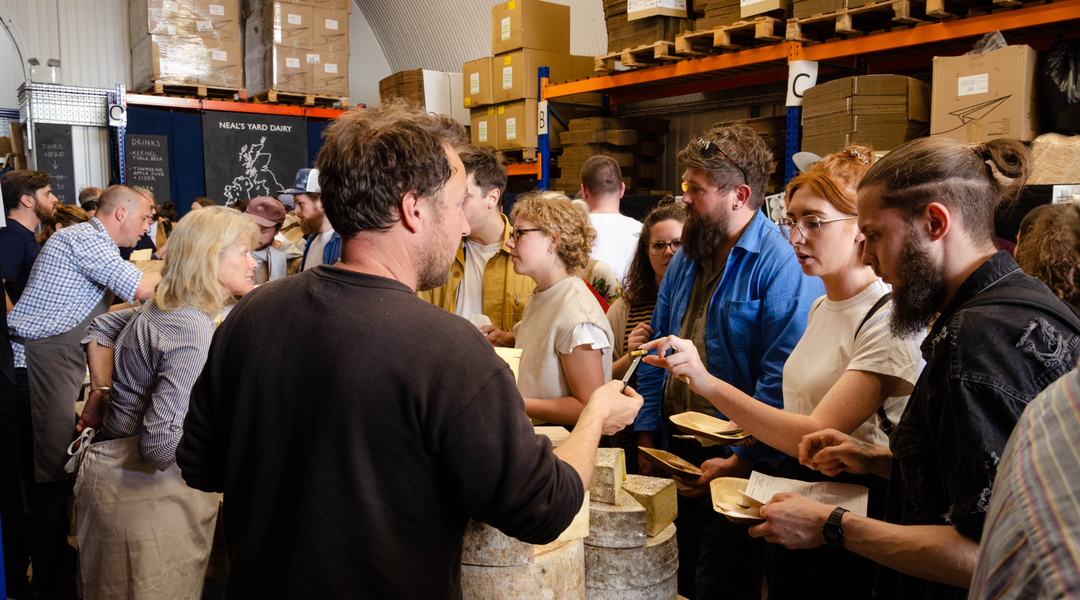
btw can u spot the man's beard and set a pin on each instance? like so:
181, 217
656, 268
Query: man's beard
45, 212
918, 291
435, 260
312, 225
703, 234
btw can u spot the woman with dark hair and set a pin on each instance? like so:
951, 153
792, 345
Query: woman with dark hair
629, 315
1044, 250
66, 215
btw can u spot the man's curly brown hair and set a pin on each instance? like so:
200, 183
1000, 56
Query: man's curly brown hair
1047, 249
745, 149
557, 217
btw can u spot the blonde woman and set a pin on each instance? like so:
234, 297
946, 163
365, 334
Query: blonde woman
564, 336
142, 531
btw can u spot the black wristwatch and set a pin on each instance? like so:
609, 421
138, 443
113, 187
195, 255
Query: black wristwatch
833, 534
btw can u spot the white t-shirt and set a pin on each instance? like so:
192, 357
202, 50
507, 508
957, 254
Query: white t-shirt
315, 252
829, 347
470, 293
616, 240
153, 231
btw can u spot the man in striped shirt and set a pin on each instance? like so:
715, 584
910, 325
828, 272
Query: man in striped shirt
71, 283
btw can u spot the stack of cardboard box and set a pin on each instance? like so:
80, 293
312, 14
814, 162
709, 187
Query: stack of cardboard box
185, 42
502, 91
634, 144
718, 13
404, 84
801, 9
773, 130
882, 111
297, 46
434, 91
627, 30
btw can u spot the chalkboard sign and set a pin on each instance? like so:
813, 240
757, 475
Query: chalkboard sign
148, 164
52, 149
249, 155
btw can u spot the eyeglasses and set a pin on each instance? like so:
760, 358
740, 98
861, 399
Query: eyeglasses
808, 226
516, 233
658, 247
709, 149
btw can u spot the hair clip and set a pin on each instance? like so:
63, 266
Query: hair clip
865, 160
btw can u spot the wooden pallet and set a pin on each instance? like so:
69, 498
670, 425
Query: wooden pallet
657, 53
291, 99
754, 32
849, 22
208, 92
952, 9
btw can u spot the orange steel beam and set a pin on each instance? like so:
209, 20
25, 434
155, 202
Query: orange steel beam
221, 105
753, 56
940, 32
524, 169
701, 87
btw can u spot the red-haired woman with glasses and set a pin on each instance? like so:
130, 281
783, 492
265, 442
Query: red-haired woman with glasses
848, 372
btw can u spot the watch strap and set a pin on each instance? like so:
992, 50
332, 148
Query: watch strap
831, 531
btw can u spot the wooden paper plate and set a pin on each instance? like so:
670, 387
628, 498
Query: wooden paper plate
670, 463
708, 427
725, 491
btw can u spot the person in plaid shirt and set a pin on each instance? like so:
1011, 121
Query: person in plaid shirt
72, 282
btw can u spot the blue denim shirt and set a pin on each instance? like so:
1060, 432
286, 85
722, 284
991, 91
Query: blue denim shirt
331, 251
755, 318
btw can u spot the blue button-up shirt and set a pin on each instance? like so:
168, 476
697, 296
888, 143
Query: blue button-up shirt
756, 316
74, 270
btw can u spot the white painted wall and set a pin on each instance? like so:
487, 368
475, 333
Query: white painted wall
367, 62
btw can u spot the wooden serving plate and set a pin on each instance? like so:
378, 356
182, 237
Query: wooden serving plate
708, 427
728, 501
670, 463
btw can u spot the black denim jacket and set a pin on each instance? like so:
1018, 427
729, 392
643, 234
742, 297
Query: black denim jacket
1002, 338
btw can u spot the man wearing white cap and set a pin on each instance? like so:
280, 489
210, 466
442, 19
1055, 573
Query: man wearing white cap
323, 243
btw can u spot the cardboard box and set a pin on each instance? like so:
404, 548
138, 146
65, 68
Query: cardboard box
329, 72
344, 6
484, 127
761, 7
981, 97
189, 61
641, 9
159, 17
476, 83
279, 68
517, 125
530, 24
215, 19
515, 73
286, 24
331, 30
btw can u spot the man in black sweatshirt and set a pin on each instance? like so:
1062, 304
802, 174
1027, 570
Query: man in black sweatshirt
355, 428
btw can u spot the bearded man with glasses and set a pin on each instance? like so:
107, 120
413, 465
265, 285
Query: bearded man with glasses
736, 290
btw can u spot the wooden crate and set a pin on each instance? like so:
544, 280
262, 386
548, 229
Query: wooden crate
291, 99
657, 53
208, 92
754, 32
849, 22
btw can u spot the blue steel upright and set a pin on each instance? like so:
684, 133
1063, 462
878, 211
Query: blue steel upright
793, 141
543, 150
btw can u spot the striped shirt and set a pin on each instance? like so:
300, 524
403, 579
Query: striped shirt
75, 269
1031, 541
158, 356
637, 315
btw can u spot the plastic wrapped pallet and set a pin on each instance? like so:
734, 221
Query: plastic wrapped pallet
187, 61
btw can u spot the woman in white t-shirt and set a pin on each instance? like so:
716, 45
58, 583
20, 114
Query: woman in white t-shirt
563, 334
846, 372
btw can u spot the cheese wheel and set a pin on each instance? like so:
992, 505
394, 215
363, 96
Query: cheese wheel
558, 571
609, 471
633, 568
486, 546
619, 525
659, 498
665, 590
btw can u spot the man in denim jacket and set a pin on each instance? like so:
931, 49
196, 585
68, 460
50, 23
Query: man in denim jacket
997, 338
737, 291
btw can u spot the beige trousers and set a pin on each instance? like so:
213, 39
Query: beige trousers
143, 533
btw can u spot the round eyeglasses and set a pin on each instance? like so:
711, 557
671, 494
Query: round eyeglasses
658, 247
809, 227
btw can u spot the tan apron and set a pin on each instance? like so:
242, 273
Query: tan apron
142, 533
55, 371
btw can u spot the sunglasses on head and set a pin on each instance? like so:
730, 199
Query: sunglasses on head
709, 149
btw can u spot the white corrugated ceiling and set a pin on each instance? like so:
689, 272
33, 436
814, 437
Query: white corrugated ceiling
443, 34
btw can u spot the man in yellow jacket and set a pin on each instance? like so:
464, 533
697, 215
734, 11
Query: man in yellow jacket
482, 279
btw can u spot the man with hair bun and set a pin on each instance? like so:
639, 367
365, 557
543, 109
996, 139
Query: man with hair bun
735, 290
996, 338
72, 282
353, 456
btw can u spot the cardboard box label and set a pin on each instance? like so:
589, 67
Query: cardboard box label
331, 24
330, 68
313, 59
217, 10
511, 128
294, 20
511, 5
169, 6
973, 84
506, 60
483, 131
491, 111
219, 55
292, 62
508, 77
468, 102
474, 84
204, 25
505, 29
638, 5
